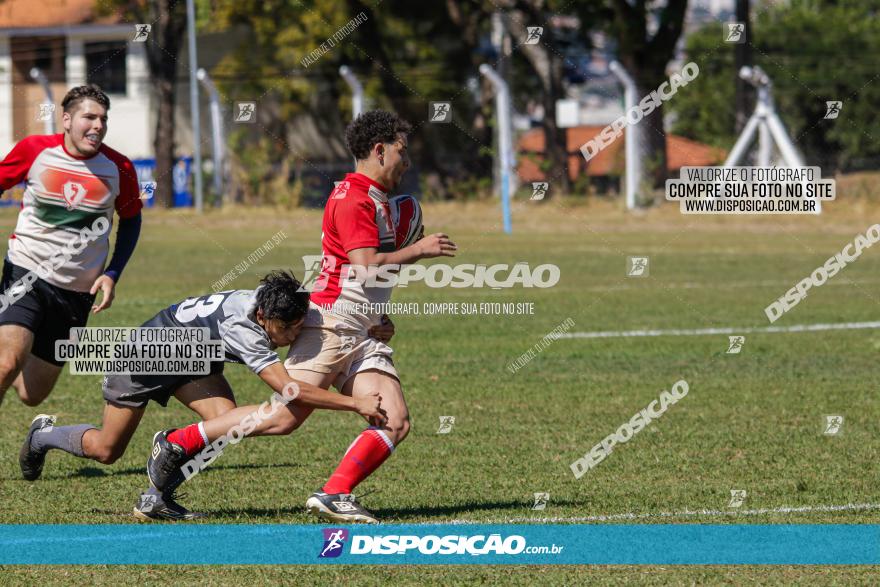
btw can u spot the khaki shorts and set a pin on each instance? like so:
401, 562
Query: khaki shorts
324, 351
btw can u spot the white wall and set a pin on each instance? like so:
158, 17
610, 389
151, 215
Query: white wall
132, 116
6, 142
129, 129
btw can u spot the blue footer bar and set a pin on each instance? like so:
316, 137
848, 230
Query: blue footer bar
667, 544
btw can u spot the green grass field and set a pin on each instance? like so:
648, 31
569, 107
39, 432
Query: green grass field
751, 421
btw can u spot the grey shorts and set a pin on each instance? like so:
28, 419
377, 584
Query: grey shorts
135, 391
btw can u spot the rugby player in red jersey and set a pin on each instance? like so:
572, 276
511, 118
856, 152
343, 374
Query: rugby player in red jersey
333, 347
56, 260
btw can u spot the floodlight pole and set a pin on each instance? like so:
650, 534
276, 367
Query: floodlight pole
765, 145
194, 104
216, 130
357, 90
633, 151
505, 139
766, 122
40, 77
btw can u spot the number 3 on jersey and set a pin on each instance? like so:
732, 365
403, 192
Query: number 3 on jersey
202, 307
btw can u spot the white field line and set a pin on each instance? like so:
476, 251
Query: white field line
719, 285
704, 331
807, 509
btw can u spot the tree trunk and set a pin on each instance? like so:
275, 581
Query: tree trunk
163, 50
164, 142
555, 138
743, 56
645, 58
547, 66
654, 157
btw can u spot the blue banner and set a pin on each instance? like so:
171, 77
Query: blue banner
471, 544
145, 169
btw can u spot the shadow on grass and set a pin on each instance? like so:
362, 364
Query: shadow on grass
390, 515
90, 472
513, 507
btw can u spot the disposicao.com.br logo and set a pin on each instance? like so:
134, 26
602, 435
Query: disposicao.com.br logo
499, 276
477, 545
334, 541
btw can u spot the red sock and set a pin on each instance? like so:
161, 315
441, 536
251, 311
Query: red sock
190, 438
366, 453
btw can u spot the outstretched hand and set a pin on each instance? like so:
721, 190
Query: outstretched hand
436, 245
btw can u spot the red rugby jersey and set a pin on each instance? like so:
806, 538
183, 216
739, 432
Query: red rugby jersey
356, 216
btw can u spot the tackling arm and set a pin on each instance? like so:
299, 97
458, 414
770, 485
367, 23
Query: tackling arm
276, 377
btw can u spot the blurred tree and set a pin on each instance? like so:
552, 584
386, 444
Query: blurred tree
704, 109
406, 55
168, 21
645, 56
834, 41
409, 54
545, 60
745, 95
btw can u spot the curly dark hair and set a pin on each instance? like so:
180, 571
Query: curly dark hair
281, 297
91, 92
375, 126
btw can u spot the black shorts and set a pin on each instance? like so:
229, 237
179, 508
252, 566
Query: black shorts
135, 391
46, 310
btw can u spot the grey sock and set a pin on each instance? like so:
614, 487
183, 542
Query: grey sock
67, 438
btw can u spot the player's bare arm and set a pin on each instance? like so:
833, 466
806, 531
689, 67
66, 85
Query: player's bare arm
431, 246
276, 377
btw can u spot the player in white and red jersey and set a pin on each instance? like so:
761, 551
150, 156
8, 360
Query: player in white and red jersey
333, 347
55, 264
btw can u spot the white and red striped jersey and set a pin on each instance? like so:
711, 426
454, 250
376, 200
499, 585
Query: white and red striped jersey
65, 194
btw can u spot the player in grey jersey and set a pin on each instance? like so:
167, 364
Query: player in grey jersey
251, 324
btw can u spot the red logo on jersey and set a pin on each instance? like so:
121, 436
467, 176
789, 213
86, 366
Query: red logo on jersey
73, 193
341, 190
74, 187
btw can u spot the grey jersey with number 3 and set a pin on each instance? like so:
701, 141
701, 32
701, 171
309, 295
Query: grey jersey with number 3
231, 317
